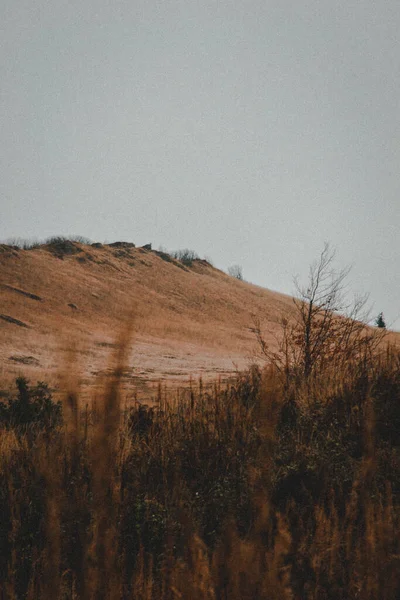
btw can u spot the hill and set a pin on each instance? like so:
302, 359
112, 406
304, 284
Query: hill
188, 319
243, 492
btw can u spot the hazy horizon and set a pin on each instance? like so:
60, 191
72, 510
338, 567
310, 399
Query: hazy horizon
250, 132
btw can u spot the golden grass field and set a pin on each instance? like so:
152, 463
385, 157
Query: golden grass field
186, 322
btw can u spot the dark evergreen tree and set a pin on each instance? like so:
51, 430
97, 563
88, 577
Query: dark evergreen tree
380, 321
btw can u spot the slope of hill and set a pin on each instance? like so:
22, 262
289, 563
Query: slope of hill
66, 296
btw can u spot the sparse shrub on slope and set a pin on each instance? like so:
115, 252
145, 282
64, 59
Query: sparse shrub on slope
236, 271
186, 256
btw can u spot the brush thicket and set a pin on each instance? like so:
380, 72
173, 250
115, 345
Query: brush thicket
244, 491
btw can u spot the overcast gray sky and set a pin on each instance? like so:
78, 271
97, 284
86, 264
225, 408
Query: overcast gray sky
249, 131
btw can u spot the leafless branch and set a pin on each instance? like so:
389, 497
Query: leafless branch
326, 328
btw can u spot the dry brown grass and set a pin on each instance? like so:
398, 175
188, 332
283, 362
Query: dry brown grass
189, 500
248, 490
203, 314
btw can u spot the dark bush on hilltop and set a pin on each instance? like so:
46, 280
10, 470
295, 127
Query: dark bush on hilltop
164, 256
31, 406
186, 256
59, 239
60, 246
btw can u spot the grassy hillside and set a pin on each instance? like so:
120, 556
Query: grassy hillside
188, 320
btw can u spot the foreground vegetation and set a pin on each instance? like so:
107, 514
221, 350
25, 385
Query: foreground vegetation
265, 489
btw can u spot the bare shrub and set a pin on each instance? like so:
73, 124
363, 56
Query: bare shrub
23, 244
186, 256
324, 329
236, 271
